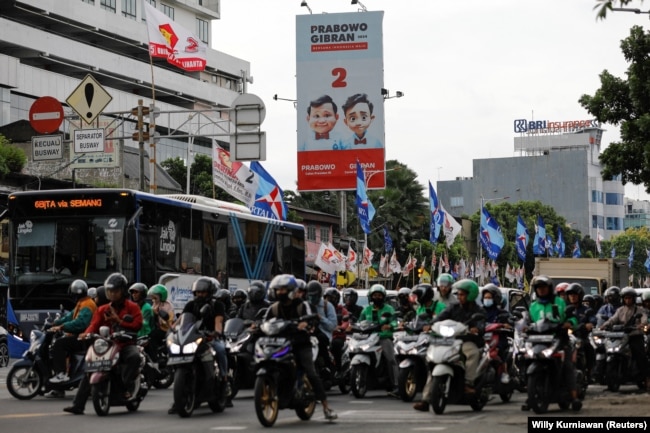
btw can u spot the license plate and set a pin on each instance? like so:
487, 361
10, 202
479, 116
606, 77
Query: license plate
104, 364
174, 360
441, 341
272, 340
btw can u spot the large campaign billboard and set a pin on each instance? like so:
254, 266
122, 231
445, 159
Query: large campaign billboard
339, 75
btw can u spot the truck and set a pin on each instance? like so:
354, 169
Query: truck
595, 275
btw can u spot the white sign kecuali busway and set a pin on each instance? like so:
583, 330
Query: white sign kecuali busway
47, 147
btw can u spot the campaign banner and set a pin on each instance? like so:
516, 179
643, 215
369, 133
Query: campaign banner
340, 106
235, 178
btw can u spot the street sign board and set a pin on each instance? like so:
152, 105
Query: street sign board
46, 115
88, 140
47, 147
89, 99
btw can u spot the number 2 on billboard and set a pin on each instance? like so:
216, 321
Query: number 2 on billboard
340, 74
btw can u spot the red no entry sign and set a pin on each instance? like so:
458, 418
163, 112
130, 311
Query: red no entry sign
46, 115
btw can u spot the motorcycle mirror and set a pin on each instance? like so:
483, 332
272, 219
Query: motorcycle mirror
163, 314
261, 313
104, 331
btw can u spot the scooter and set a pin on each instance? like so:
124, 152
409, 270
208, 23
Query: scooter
501, 374
410, 351
106, 384
368, 369
30, 376
620, 364
446, 356
240, 347
279, 382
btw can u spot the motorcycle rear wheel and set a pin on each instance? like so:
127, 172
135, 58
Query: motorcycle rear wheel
267, 404
538, 398
407, 384
439, 393
218, 404
184, 392
307, 405
359, 380
612, 376
24, 384
101, 393
165, 380
344, 383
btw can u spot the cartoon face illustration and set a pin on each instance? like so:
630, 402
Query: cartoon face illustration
322, 118
358, 118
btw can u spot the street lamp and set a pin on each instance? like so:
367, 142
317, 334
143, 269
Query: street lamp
305, 5
357, 2
478, 240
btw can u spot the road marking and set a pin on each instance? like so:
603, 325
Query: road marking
229, 427
429, 428
27, 415
360, 402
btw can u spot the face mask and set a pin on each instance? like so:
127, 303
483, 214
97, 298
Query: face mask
378, 302
314, 300
488, 302
282, 297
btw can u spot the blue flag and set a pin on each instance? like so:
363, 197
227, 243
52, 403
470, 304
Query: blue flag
365, 209
647, 261
490, 235
576, 251
521, 242
539, 244
613, 252
269, 198
388, 241
437, 216
559, 245
630, 258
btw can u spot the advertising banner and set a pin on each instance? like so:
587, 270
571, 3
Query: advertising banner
339, 75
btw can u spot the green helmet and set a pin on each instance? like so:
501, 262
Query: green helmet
160, 290
468, 286
376, 288
445, 279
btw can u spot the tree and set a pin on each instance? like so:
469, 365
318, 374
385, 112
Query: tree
626, 102
622, 243
12, 159
200, 176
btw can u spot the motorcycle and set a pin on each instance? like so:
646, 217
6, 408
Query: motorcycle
106, 384
342, 376
620, 364
597, 341
446, 356
279, 382
189, 352
410, 351
240, 347
501, 374
545, 370
368, 369
30, 376
158, 374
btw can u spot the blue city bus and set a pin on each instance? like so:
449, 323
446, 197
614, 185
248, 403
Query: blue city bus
57, 236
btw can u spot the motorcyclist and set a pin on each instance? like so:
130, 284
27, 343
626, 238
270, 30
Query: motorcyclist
560, 290
423, 295
213, 320
342, 323
255, 302
378, 311
350, 298
158, 295
598, 302
73, 323
112, 315
138, 292
406, 309
586, 322
626, 316
287, 307
326, 322
223, 296
613, 302
645, 301
444, 282
238, 299
549, 306
462, 311
492, 301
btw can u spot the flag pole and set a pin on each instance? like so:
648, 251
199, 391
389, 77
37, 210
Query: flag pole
152, 131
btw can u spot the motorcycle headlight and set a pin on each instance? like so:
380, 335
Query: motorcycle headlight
547, 352
447, 331
174, 349
100, 346
191, 348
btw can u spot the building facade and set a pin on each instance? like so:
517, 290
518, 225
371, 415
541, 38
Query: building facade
637, 213
561, 170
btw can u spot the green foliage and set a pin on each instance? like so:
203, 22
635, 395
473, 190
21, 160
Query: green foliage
12, 159
200, 176
623, 243
605, 6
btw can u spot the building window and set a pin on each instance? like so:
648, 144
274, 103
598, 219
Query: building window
151, 2
108, 5
597, 221
311, 233
203, 30
168, 10
614, 198
457, 201
596, 196
614, 223
325, 234
128, 9
90, 2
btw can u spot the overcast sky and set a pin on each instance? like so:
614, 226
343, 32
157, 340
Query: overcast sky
467, 69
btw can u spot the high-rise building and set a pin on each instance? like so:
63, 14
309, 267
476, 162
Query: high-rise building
48, 47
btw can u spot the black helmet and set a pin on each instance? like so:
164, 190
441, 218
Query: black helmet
628, 291
351, 295
598, 302
575, 289
117, 281
494, 291
78, 288
223, 295
203, 285
333, 295
589, 300
256, 292
141, 288
543, 280
613, 295
423, 293
101, 296
240, 295
314, 289
404, 295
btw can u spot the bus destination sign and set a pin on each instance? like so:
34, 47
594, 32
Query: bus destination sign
87, 203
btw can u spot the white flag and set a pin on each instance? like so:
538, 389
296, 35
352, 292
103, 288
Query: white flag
599, 239
383, 267
351, 261
233, 177
339, 259
325, 259
450, 227
394, 265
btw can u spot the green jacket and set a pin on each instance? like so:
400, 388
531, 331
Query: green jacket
77, 320
540, 310
432, 310
147, 319
369, 313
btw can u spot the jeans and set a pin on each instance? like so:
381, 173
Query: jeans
222, 359
388, 352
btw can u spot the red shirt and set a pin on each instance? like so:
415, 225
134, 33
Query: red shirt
128, 307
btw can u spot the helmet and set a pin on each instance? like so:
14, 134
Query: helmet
78, 288
351, 295
287, 281
301, 284
314, 289
92, 292
240, 294
203, 285
117, 281
256, 292
494, 291
613, 295
561, 288
334, 296
423, 293
101, 296
589, 299
598, 301
543, 280
628, 291
575, 289
469, 286
216, 285
159, 290
404, 295
140, 288
224, 296
376, 288
445, 279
